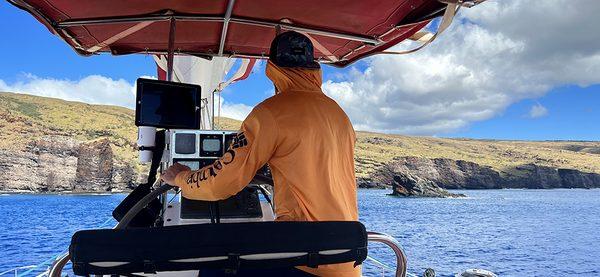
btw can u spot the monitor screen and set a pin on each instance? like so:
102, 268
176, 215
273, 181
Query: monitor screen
192, 164
185, 143
167, 104
211, 145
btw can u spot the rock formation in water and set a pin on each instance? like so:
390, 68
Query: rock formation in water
408, 185
48, 164
404, 183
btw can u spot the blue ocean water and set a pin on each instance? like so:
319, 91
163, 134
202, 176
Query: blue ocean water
510, 232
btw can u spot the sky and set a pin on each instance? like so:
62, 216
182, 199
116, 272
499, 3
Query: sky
507, 69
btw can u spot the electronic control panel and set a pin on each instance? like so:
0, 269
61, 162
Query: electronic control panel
197, 149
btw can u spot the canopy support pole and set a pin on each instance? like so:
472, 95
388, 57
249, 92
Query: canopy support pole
171, 53
226, 20
213, 108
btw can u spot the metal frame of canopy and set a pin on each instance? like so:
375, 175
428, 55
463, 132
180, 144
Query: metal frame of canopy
367, 44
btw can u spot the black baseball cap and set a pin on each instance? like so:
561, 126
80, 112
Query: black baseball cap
293, 49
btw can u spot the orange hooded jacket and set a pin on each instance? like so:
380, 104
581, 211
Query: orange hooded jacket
308, 142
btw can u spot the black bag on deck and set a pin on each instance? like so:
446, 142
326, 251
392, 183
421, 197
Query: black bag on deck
227, 245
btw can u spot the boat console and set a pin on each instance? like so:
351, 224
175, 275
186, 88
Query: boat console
176, 108
197, 149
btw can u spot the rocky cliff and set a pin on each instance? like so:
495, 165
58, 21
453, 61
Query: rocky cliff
51, 145
432, 174
543, 177
62, 164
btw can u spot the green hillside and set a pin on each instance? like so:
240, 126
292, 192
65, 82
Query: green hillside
24, 118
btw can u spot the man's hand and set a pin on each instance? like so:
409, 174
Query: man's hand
169, 175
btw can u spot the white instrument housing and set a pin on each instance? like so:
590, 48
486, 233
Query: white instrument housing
197, 149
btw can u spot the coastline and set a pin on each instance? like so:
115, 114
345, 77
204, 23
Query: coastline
108, 193
28, 192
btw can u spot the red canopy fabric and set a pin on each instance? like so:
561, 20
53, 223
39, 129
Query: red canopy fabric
346, 30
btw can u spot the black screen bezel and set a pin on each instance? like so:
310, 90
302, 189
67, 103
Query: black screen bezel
196, 89
216, 154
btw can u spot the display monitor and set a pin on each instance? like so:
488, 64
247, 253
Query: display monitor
211, 145
185, 143
167, 105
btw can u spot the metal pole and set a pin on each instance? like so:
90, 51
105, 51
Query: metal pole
213, 109
291, 27
170, 61
225, 26
171, 53
244, 21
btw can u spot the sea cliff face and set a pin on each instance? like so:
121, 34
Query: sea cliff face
51, 145
61, 164
458, 174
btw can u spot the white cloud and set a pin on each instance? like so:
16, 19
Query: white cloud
93, 89
537, 111
494, 55
96, 89
235, 111
232, 110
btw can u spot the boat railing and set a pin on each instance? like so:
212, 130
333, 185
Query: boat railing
15, 271
58, 265
392, 243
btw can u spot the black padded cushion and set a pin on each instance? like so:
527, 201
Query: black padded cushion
154, 249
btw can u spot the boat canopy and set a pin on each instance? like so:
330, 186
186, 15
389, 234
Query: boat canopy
343, 31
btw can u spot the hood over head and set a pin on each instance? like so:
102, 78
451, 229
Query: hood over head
294, 79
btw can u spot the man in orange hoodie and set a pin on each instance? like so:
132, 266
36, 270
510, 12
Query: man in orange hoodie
304, 136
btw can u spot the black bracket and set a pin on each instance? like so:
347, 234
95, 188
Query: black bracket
313, 260
149, 266
234, 261
142, 148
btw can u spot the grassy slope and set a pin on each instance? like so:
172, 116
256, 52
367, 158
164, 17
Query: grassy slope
24, 118
501, 156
